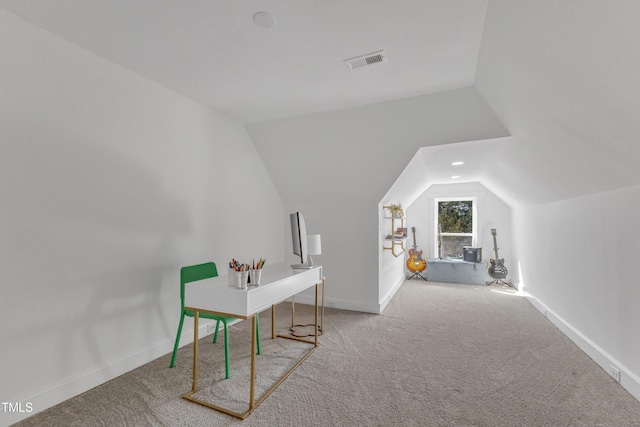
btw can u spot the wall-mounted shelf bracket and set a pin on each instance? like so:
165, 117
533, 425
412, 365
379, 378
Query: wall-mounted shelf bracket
396, 242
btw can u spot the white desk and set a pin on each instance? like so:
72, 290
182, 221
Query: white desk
213, 295
279, 282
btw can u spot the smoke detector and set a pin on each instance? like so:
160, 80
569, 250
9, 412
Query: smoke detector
365, 60
264, 19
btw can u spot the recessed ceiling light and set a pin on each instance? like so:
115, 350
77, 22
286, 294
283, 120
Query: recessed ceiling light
264, 19
455, 177
457, 163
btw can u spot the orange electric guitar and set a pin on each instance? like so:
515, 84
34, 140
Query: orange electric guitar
415, 263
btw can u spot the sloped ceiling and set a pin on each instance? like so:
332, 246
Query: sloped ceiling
356, 154
212, 52
561, 78
433, 165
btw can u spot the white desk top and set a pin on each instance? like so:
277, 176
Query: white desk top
279, 282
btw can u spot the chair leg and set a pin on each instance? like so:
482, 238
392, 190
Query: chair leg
258, 333
215, 335
226, 351
227, 368
175, 347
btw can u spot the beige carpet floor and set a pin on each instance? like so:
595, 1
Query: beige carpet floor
439, 355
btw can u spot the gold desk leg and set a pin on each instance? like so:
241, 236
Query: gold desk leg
194, 385
293, 310
253, 362
316, 319
273, 322
322, 315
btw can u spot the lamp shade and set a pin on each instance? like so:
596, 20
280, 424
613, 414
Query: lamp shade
314, 246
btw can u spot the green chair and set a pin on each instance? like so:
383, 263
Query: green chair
198, 272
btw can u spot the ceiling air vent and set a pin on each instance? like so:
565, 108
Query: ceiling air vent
364, 60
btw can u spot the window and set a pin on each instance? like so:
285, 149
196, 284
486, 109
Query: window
455, 226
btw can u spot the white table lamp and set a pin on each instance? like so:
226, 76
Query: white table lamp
314, 246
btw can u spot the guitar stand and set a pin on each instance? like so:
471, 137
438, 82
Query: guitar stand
500, 281
419, 275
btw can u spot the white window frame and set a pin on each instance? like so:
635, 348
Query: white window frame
474, 222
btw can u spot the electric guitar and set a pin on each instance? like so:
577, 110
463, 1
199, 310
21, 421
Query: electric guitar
415, 263
497, 270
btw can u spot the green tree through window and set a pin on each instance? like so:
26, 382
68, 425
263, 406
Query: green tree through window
456, 216
456, 227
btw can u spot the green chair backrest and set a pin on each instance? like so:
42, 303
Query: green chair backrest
193, 273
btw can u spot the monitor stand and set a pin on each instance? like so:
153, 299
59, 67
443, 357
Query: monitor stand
302, 266
307, 265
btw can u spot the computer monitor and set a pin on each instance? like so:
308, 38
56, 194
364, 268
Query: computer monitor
299, 240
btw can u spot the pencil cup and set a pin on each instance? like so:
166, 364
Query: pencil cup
233, 278
237, 279
255, 275
244, 276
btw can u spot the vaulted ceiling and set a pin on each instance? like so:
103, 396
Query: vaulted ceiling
562, 76
213, 52
541, 97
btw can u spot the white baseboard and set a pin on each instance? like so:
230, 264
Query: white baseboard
343, 304
387, 298
73, 386
628, 380
340, 304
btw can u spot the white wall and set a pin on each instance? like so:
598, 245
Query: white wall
109, 184
349, 242
492, 213
578, 259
